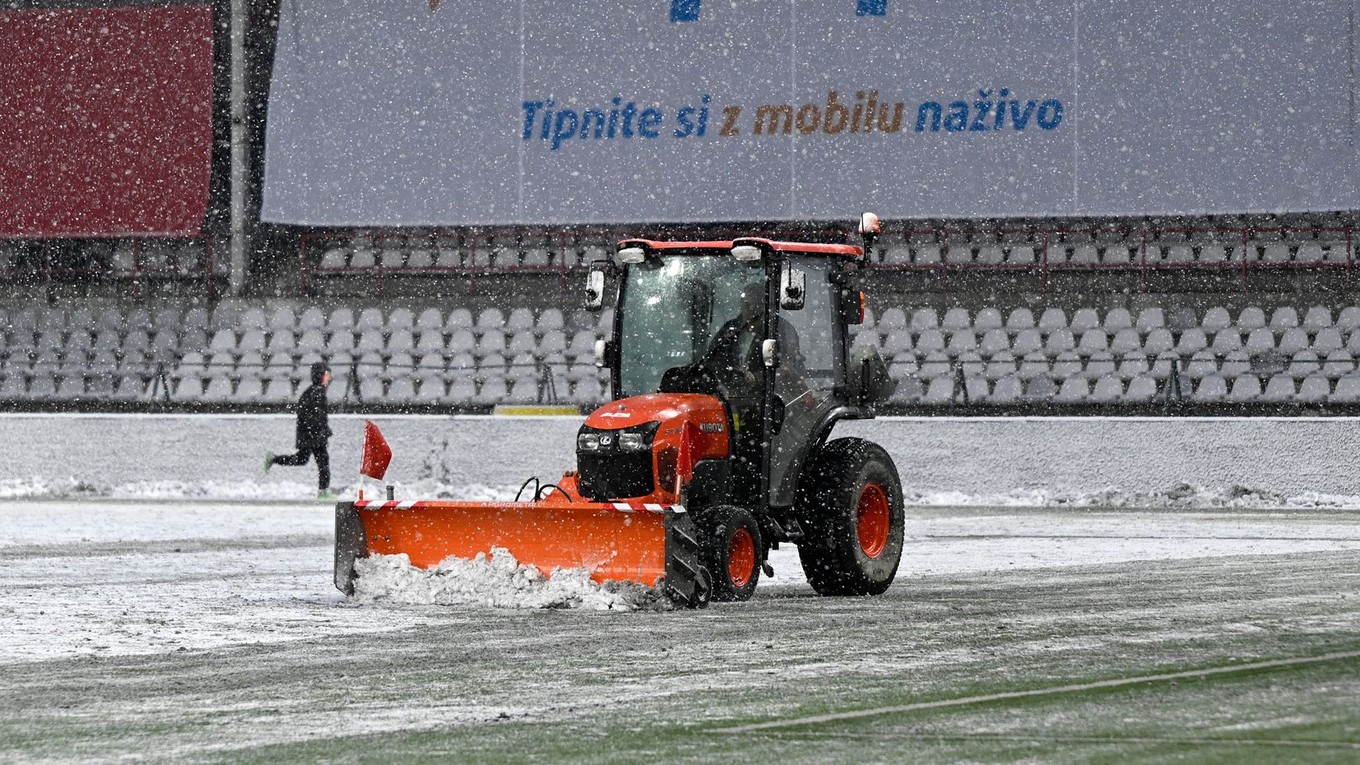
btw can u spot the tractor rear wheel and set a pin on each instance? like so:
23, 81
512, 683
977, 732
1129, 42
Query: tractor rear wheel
732, 551
850, 506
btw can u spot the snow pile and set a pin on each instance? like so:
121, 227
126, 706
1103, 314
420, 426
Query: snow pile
499, 582
1181, 496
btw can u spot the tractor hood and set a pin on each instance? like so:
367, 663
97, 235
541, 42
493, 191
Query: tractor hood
672, 410
647, 446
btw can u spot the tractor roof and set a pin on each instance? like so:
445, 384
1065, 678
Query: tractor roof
799, 248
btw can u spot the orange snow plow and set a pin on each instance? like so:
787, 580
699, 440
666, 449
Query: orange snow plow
651, 544
715, 447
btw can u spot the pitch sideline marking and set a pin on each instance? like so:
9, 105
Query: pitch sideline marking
1055, 690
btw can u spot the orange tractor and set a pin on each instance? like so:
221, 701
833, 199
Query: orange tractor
730, 364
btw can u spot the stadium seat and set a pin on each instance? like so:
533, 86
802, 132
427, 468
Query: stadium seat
550, 320
1292, 341
1033, 365
1084, 320
1022, 255
1303, 364
1052, 320
999, 365
1093, 340
1279, 390
1259, 341
402, 390
1212, 253
1200, 365
1041, 389
1150, 319
1007, 390
521, 319
924, 320
1074, 390
934, 365
909, 391
1066, 365
490, 319
1314, 389
1283, 318
1020, 319
1326, 341
1142, 389
988, 319
939, 391
430, 320
1244, 389
312, 318
1027, 341
1210, 389
956, 319
962, 341
370, 341
1058, 341
1252, 317
1226, 341
401, 319
370, 319
993, 341
990, 255
929, 342
1317, 318
1098, 365
1108, 389
1346, 391
1337, 364
1191, 341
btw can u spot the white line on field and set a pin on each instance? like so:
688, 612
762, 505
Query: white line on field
1055, 690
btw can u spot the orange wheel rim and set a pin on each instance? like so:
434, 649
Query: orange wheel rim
741, 558
873, 519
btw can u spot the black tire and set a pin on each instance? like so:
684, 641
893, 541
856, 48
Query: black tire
850, 507
732, 551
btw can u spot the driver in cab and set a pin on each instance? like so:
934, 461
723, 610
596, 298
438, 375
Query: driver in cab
736, 353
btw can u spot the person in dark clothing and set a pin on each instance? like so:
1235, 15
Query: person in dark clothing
313, 431
735, 351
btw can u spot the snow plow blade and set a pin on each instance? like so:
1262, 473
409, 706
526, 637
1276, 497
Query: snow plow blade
653, 545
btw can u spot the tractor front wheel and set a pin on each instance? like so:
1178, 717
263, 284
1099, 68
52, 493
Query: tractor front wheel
850, 506
732, 551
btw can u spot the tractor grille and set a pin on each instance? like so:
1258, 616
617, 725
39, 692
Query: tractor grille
615, 475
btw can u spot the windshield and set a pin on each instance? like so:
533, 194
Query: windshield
672, 307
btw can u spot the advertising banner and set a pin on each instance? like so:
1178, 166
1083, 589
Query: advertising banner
419, 112
105, 121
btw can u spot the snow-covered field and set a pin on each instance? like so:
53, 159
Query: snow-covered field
164, 600
201, 630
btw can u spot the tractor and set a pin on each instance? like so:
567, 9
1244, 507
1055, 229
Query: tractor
730, 364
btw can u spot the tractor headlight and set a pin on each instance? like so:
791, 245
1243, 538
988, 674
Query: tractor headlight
637, 438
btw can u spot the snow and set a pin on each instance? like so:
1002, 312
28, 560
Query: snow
105, 577
1182, 495
499, 582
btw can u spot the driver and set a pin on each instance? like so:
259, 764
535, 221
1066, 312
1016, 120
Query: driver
735, 353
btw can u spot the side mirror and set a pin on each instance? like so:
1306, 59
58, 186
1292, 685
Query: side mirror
852, 306
869, 380
792, 288
869, 229
595, 289
605, 351
769, 352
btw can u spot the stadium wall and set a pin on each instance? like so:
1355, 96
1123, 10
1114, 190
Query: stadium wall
975, 456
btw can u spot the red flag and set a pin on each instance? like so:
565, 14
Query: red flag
376, 452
